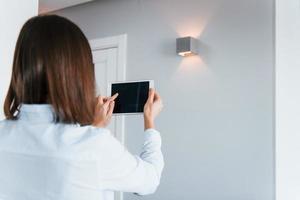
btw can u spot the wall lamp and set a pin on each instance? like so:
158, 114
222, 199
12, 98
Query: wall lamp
186, 46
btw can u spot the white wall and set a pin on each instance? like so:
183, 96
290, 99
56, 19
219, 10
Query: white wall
218, 121
288, 99
13, 14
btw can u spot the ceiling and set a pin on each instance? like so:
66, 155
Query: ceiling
52, 5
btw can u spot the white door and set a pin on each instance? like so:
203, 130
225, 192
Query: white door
105, 62
109, 57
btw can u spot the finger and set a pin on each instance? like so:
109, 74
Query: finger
114, 97
110, 99
111, 108
156, 97
151, 95
100, 100
106, 104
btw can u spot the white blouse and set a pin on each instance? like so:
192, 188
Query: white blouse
40, 159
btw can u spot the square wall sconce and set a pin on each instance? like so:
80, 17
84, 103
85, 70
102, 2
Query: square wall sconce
186, 46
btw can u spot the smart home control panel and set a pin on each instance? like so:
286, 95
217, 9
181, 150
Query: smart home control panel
132, 95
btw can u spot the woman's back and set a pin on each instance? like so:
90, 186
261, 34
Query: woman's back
50, 161
60, 161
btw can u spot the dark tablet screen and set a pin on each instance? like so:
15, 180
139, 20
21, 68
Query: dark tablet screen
132, 96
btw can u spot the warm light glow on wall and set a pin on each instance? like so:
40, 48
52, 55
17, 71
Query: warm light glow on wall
192, 64
193, 28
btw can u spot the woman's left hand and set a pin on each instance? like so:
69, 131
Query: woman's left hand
104, 110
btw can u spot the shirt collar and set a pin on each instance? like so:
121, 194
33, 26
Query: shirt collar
37, 112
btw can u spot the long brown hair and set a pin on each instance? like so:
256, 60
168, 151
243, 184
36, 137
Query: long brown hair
53, 64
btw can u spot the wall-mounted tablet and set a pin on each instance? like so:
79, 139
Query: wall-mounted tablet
132, 95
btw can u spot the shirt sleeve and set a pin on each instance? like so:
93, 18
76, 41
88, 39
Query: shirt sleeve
119, 170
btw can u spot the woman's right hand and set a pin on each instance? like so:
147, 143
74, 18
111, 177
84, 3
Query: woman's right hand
104, 110
152, 108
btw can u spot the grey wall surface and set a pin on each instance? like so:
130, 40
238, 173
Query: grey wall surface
217, 125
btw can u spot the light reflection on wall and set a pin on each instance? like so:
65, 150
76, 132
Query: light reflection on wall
192, 64
191, 28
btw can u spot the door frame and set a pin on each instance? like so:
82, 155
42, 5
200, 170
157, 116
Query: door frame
120, 43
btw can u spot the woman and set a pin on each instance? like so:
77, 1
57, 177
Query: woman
53, 143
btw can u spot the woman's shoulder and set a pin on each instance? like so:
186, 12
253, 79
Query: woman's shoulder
83, 141
79, 134
7, 124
